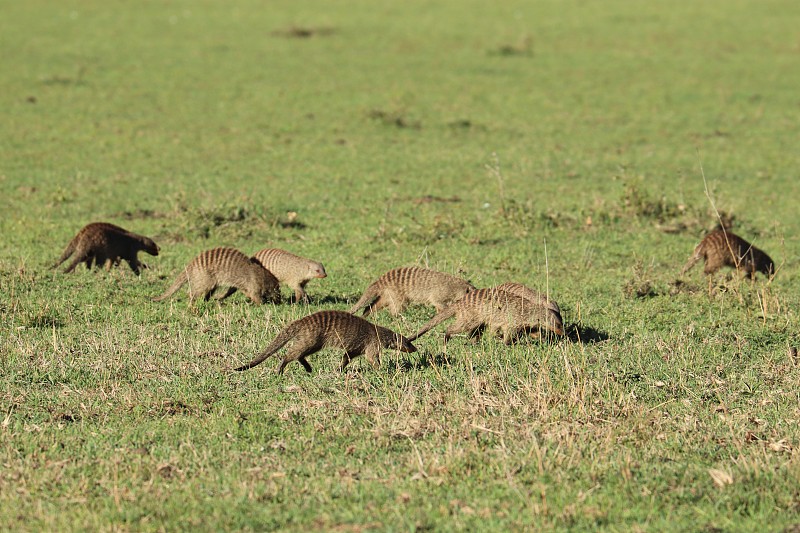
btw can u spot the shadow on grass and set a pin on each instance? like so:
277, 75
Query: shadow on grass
419, 361
585, 334
334, 299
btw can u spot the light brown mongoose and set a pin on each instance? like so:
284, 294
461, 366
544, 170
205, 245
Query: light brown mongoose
495, 310
333, 329
402, 286
291, 270
722, 248
106, 245
226, 267
534, 296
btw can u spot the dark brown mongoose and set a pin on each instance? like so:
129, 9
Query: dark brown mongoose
333, 329
106, 245
495, 310
722, 248
534, 296
402, 286
291, 270
226, 267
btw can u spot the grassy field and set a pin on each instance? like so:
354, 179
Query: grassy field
578, 147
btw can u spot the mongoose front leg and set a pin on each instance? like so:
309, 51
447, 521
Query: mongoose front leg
135, 265
300, 295
373, 355
78, 259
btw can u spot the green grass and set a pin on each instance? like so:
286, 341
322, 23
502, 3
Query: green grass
561, 144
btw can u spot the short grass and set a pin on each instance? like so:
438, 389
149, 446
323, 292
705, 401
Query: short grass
561, 144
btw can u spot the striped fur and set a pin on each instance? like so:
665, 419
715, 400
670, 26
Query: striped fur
332, 329
534, 296
225, 267
106, 245
498, 311
291, 269
722, 248
403, 286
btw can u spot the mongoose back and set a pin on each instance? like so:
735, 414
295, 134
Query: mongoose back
106, 245
722, 248
495, 310
534, 296
402, 286
291, 270
333, 329
226, 267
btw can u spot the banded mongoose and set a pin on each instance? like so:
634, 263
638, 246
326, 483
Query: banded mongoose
106, 245
333, 329
402, 286
722, 248
291, 270
495, 310
226, 267
535, 296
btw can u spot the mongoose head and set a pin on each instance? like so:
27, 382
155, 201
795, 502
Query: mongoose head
394, 341
404, 345
317, 270
149, 246
553, 322
766, 266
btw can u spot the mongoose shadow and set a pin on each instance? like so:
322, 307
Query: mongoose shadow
421, 362
585, 334
334, 299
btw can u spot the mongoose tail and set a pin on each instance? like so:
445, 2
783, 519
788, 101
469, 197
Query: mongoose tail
697, 255
366, 301
282, 338
435, 321
179, 282
68, 251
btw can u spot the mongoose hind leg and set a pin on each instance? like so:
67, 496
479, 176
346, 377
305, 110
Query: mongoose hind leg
468, 325
222, 295
298, 352
395, 303
198, 291
475, 335
375, 306
79, 258
713, 263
